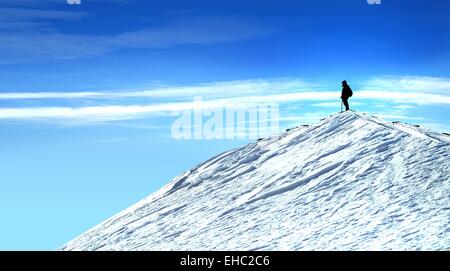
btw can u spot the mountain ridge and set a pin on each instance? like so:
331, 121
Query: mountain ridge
352, 181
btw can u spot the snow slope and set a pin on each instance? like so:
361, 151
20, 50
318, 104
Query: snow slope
351, 182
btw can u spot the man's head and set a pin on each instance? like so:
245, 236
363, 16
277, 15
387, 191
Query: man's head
344, 83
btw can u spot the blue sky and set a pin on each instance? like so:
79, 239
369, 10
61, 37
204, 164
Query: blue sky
87, 91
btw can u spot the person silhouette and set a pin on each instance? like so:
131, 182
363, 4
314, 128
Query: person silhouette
346, 93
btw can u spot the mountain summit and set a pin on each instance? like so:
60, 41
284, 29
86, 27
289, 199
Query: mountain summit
351, 182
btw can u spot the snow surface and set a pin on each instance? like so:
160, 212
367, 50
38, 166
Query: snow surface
351, 182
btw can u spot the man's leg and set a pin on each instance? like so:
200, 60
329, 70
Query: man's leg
347, 107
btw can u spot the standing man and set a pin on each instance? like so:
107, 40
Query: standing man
346, 93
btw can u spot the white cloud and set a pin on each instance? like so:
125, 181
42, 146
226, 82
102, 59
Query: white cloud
407, 90
404, 97
195, 30
217, 94
31, 35
333, 104
29, 15
275, 90
95, 114
418, 84
211, 90
50, 95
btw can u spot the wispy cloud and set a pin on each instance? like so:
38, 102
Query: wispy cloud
211, 90
413, 84
14, 21
107, 140
405, 97
416, 90
216, 95
195, 30
333, 104
29, 15
98, 114
105, 113
424, 90
28, 34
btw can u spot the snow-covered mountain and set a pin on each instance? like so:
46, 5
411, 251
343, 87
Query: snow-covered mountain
351, 182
